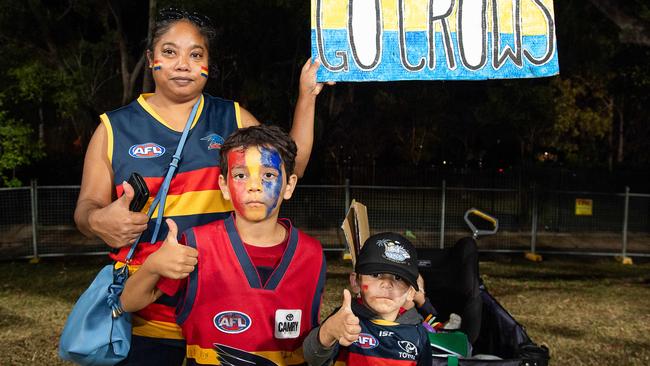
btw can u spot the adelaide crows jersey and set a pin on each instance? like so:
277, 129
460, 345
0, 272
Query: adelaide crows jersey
387, 343
229, 316
139, 140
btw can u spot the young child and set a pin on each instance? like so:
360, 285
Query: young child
375, 328
249, 286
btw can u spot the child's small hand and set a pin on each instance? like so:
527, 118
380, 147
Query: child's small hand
172, 260
308, 83
342, 327
420, 296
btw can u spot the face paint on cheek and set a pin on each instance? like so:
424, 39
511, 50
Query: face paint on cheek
204, 72
364, 287
272, 189
237, 188
157, 65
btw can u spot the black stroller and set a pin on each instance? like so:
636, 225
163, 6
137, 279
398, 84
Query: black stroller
452, 280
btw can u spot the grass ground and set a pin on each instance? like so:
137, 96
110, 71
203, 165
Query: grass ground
593, 312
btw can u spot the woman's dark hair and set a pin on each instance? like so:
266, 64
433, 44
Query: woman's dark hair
269, 136
167, 17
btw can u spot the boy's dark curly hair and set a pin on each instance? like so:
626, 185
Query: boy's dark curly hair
269, 136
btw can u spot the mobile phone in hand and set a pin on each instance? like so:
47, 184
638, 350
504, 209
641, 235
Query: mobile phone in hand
141, 192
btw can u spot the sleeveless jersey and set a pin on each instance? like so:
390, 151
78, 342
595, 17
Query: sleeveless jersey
139, 140
387, 343
226, 313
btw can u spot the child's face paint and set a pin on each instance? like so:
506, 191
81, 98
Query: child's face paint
384, 294
255, 181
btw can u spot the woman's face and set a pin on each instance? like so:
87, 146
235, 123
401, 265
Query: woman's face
180, 62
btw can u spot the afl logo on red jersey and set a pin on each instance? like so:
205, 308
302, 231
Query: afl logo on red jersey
232, 322
367, 341
146, 151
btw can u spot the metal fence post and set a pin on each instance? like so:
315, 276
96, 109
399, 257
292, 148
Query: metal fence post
347, 196
625, 219
533, 226
442, 214
34, 208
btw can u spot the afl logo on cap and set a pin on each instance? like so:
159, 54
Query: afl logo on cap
146, 151
232, 322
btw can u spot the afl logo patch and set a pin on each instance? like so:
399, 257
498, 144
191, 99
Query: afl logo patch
146, 151
232, 322
367, 341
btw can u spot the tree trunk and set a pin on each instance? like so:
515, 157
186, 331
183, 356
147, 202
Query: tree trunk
621, 131
128, 76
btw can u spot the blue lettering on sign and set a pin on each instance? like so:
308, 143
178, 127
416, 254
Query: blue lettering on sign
232, 322
146, 151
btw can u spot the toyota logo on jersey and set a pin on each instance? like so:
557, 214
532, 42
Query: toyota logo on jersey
232, 322
146, 151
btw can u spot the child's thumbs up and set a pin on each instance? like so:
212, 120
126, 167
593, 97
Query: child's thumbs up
172, 234
350, 329
173, 260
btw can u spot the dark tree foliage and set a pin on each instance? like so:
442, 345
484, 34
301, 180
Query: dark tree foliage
66, 62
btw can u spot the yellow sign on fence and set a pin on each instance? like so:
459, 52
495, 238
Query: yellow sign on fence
584, 207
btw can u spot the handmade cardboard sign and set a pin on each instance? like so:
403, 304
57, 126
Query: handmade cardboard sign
356, 228
381, 40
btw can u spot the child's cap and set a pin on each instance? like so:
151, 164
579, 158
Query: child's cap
389, 253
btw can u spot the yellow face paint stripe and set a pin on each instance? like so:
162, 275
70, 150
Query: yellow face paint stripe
253, 163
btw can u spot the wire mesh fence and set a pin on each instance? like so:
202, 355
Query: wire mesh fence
571, 222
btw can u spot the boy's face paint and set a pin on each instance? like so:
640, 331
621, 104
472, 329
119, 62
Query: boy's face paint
255, 181
385, 294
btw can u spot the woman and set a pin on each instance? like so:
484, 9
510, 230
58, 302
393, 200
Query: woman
143, 135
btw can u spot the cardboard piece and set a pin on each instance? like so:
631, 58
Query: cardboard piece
355, 228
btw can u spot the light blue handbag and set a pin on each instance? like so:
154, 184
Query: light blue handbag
98, 331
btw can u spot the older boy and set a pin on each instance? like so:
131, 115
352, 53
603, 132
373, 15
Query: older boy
375, 329
250, 286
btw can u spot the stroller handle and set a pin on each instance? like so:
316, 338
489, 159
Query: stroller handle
476, 232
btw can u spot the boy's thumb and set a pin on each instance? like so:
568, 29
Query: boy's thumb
347, 301
172, 235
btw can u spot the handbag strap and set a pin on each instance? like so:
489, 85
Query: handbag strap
162, 193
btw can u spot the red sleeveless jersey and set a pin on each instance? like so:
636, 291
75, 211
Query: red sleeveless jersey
227, 314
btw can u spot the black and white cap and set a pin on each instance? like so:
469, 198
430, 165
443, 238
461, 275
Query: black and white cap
389, 253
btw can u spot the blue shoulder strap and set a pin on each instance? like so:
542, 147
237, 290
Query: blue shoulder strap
162, 193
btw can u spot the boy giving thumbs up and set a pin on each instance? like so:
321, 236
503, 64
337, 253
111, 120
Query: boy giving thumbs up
374, 328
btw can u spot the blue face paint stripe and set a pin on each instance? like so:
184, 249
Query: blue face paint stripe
271, 158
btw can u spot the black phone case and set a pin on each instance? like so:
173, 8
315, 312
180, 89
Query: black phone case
141, 192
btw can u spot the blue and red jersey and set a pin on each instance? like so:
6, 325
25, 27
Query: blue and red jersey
139, 140
227, 312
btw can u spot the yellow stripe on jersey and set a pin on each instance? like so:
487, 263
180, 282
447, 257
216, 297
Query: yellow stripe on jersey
155, 328
132, 267
142, 100
335, 16
109, 136
238, 115
193, 203
383, 322
208, 356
